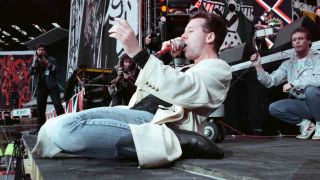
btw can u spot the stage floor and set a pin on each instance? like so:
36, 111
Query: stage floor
245, 158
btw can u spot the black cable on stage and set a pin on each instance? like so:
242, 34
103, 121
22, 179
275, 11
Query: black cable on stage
245, 136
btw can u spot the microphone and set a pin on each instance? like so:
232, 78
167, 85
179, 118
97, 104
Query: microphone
177, 43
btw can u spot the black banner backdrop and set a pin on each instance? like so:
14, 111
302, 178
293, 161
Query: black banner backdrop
90, 20
239, 17
127, 9
91, 30
76, 14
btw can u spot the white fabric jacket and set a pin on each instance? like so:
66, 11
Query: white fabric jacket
195, 94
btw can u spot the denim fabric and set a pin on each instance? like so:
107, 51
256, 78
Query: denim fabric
294, 110
95, 132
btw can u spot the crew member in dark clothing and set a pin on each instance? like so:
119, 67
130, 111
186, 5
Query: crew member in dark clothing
44, 68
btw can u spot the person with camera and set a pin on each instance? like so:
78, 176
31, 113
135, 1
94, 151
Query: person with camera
122, 86
167, 111
44, 69
301, 75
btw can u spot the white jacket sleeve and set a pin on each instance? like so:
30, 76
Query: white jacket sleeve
203, 85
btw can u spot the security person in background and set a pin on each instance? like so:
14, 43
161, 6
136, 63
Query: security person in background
44, 68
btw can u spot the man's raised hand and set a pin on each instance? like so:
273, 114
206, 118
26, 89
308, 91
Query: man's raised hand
123, 32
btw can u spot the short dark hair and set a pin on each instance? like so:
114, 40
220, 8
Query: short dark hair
214, 23
303, 30
123, 57
41, 45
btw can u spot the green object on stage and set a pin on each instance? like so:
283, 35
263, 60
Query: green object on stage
1, 153
9, 150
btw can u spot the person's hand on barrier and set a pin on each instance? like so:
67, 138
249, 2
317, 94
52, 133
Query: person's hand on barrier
256, 60
123, 32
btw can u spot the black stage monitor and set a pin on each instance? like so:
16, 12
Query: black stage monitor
236, 54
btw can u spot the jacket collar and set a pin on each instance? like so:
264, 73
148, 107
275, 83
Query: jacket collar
307, 64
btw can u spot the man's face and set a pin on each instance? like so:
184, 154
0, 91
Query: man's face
300, 42
41, 51
195, 39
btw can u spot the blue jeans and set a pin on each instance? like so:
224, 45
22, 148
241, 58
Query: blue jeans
294, 110
95, 132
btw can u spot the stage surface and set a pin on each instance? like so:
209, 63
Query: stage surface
245, 158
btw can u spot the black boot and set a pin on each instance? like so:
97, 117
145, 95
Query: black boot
195, 145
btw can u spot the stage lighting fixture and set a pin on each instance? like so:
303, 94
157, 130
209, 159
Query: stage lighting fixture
163, 8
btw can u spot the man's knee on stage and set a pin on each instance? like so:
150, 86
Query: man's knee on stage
276, 108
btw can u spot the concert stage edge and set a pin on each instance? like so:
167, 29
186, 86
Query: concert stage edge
245, 158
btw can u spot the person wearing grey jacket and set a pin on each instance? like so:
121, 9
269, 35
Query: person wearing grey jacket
301, 75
